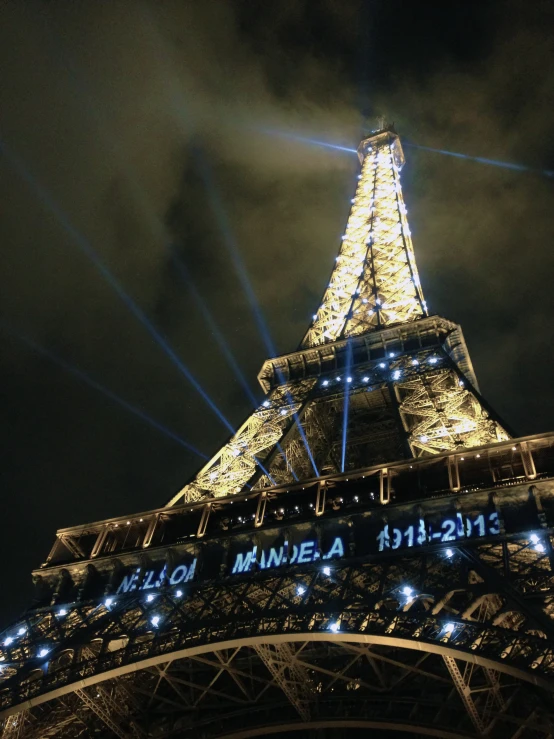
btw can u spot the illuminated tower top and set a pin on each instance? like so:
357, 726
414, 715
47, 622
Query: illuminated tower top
375, 379
375, 282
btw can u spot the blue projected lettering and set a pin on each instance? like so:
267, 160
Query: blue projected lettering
450, 529
155, 579
306, 551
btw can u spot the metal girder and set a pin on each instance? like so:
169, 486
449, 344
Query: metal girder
365, 599
441, 414
288, 675
13, 726
375, 282
426, 403
236, 462
101, 704
343, 643
464, 692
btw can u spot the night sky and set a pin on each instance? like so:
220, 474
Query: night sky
148, 146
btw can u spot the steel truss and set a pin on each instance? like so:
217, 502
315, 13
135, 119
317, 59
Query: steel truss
236, 462
298, 430
422, 392
470, 652
374, 286
375, 281
455, 643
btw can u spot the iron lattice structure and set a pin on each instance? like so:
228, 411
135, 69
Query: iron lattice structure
370, 550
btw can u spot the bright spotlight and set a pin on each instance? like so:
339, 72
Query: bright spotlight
300, 590
150, 598
155, 620
327, 571
407, 590
334, 627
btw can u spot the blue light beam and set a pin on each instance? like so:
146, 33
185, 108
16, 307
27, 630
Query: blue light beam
233, 249
220, 339
480, 160
305, 140
305, 441
296, 417
293, 473
263, 469
87, 249
346, 404
483, 160
42, 351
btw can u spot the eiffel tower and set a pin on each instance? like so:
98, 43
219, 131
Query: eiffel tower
371, 550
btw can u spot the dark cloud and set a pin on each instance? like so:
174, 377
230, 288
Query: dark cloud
122, 110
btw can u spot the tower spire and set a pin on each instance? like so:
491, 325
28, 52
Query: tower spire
404, 378
375, 283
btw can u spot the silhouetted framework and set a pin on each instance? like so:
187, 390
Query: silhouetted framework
385, 568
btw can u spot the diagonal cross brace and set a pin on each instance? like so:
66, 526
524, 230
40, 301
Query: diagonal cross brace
288, 675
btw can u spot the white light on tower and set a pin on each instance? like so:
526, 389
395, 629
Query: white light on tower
155, 620
327, 571
334, 627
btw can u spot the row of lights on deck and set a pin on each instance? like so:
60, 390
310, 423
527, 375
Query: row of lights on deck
382, 365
